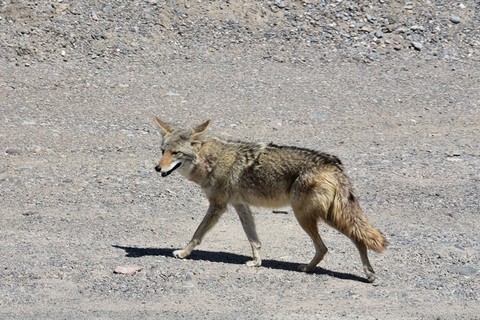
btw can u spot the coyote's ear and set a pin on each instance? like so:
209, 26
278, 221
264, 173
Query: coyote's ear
200, 129
165, 127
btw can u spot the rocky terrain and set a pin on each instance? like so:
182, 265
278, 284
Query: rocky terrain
282, 31
391, 87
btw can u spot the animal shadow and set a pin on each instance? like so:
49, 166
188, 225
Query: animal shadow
232, 258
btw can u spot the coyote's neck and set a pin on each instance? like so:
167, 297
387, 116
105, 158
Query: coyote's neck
216, 159
206, 160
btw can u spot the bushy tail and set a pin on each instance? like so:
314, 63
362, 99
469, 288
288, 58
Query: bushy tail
347, 216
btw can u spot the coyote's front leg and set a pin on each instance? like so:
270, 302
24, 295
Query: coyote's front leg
214, 213
248, 223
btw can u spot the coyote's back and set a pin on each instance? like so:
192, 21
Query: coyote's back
242, 174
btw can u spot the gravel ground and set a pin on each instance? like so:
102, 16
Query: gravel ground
282, 31
80, 197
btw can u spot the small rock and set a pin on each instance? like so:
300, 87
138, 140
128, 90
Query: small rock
280, 4
358, 25
464, 271
379, 33
454, 159
319, 116
391, 27
127, 270
417, 45
366, 29
12, 152
108, 8
455, 19
370, 18
94, 16
454, 153
29, 213
417, 27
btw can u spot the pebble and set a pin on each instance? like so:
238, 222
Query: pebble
319, 116
12, 152
29, 213
464, 271
417, 27
417, 45
108, 8
94, 16
280, 4
127, 270
455, 19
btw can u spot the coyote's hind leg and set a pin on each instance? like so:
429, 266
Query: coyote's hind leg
309, 223
367, 267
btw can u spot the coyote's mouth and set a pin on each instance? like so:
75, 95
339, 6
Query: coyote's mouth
175, 167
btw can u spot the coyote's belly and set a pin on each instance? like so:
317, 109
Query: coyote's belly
274, 201
261, 193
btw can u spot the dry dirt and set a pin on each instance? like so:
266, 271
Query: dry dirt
79, 196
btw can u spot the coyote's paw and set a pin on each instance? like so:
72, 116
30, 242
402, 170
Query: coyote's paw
254, 263
371, 278
306, 268
180, 254
370, 274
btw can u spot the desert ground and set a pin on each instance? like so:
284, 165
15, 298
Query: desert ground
393, 89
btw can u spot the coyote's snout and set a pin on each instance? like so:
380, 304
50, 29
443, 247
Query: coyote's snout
169, 169
242, 174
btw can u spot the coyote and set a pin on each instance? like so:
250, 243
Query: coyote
243, 173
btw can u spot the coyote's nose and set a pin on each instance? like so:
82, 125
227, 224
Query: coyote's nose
158, 168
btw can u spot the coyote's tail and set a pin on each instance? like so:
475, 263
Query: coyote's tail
348, 217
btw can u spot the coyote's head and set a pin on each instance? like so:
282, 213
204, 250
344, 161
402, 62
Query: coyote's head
179, 147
